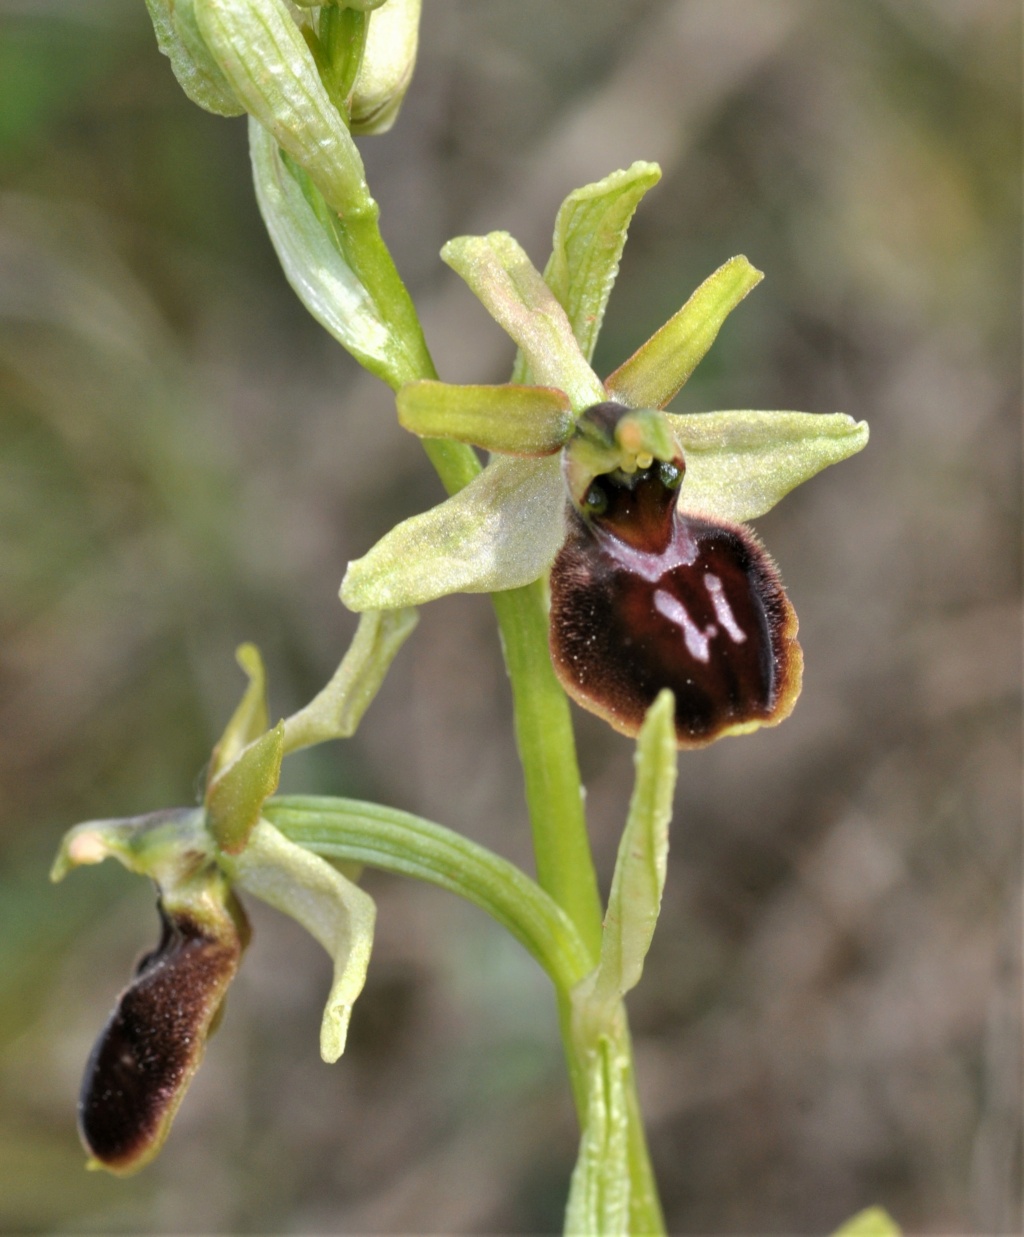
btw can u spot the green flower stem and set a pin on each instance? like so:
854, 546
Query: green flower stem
547, 750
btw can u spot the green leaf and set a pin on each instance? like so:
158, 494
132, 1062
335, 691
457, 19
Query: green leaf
502, 531
512, 290
658, 368
198, 74
871, 1222
639, 878
236, 795
250, 719
599, 1192
590, 233
514, 420
270, 68
739, 464
313, 261
336, 711
332, 909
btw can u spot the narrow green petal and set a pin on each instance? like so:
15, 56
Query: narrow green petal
250, 719
332, 909
198, 74
502, 531
639, 878
336, 711
739, 464
513, 292
590, 233
513, 420
658, 368
313, 264
234, 798
264, 57
599, 1193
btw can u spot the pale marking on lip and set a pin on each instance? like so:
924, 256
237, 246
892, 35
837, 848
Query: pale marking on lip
697, 640
723, 610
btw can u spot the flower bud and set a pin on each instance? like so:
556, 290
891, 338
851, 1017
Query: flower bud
645, 597
389, 58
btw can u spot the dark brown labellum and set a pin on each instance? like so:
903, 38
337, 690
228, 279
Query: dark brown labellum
644, 597
153, 1042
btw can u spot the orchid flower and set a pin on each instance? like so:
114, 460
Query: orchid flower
636, 513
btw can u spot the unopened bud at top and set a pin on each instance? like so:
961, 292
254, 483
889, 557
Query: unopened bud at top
389, 59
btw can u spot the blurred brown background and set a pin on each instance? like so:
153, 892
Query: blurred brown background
830, 1016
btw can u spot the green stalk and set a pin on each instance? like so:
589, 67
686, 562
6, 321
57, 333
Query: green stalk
547, 751
543, 726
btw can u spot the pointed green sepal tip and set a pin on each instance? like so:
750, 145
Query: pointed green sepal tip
590, 234
331, 908
740, 464
660, 367
510, 419
251, 717
234, 798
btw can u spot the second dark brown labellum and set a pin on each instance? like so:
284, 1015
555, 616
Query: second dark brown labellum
153, 1042
645, 597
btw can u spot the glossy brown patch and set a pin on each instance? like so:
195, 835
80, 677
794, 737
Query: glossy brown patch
644, 597
154, 1040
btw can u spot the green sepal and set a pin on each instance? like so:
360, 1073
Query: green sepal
599, 1193
167, 846
386, 70
331, 908
502, 531
335, 712
590, 233
236, 795
514, 420
511, 289
198, 74
639, 878
740, 464
251, 717
658, 368
871, 1222
307, 238
266, 60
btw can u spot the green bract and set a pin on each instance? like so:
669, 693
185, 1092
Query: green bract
504, 529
